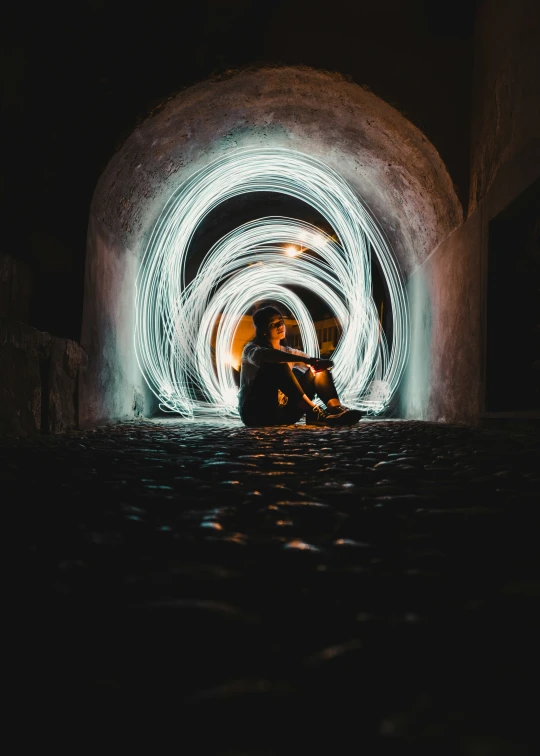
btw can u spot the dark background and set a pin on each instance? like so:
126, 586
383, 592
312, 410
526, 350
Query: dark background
78, 78
513, 287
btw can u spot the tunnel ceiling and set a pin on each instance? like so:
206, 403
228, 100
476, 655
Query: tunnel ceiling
391, 165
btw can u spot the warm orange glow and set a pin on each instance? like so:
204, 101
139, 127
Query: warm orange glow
292, 250
243, 333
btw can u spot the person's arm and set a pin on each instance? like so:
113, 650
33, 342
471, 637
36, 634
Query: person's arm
276, 355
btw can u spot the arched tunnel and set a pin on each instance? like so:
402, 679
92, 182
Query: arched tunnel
387, 162
189, 579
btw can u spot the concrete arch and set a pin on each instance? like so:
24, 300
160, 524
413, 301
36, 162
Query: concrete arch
390, 164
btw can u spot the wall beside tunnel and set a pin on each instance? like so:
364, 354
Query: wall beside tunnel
389, 163
443, 376
446, 375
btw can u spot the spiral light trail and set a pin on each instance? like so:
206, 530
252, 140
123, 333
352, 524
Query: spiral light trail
175, 320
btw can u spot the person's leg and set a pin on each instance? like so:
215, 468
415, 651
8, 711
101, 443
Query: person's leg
262, 406
293, 384
325, 387
305, 379
314, 385
322, 384
287, 381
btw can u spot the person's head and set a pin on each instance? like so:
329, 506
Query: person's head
269, 324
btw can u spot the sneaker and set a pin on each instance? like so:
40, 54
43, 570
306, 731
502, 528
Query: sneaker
337, 409
352, 413
338, 417
344, 416
315, 416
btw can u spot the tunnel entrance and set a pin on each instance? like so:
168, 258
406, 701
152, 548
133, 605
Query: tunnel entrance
391, 170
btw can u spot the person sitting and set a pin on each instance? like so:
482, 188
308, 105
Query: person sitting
278, 383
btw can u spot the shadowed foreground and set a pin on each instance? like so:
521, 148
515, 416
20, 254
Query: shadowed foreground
365, 590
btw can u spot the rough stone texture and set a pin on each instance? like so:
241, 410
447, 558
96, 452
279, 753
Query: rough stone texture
21, 350
387, 160
39, 377
112, 383
281, 591
15, 289
448, 292
505, 150
506, 105
444, 372
67, 358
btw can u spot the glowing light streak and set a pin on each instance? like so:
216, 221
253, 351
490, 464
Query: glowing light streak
175, 320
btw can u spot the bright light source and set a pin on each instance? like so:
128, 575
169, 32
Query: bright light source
312, 239
175, 321
292, 251
318, 240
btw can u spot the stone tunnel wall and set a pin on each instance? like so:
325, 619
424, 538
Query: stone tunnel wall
391, 165
448, 291
39, 373
39, 380
506, 87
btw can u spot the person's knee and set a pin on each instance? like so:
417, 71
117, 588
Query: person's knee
321, 376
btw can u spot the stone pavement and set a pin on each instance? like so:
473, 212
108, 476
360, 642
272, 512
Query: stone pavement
268, 591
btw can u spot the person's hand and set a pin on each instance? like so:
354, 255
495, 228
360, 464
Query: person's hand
319, 364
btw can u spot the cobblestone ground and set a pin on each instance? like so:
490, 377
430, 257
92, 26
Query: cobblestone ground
259, 592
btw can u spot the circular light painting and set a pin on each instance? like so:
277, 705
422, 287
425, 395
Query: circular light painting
185, 330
